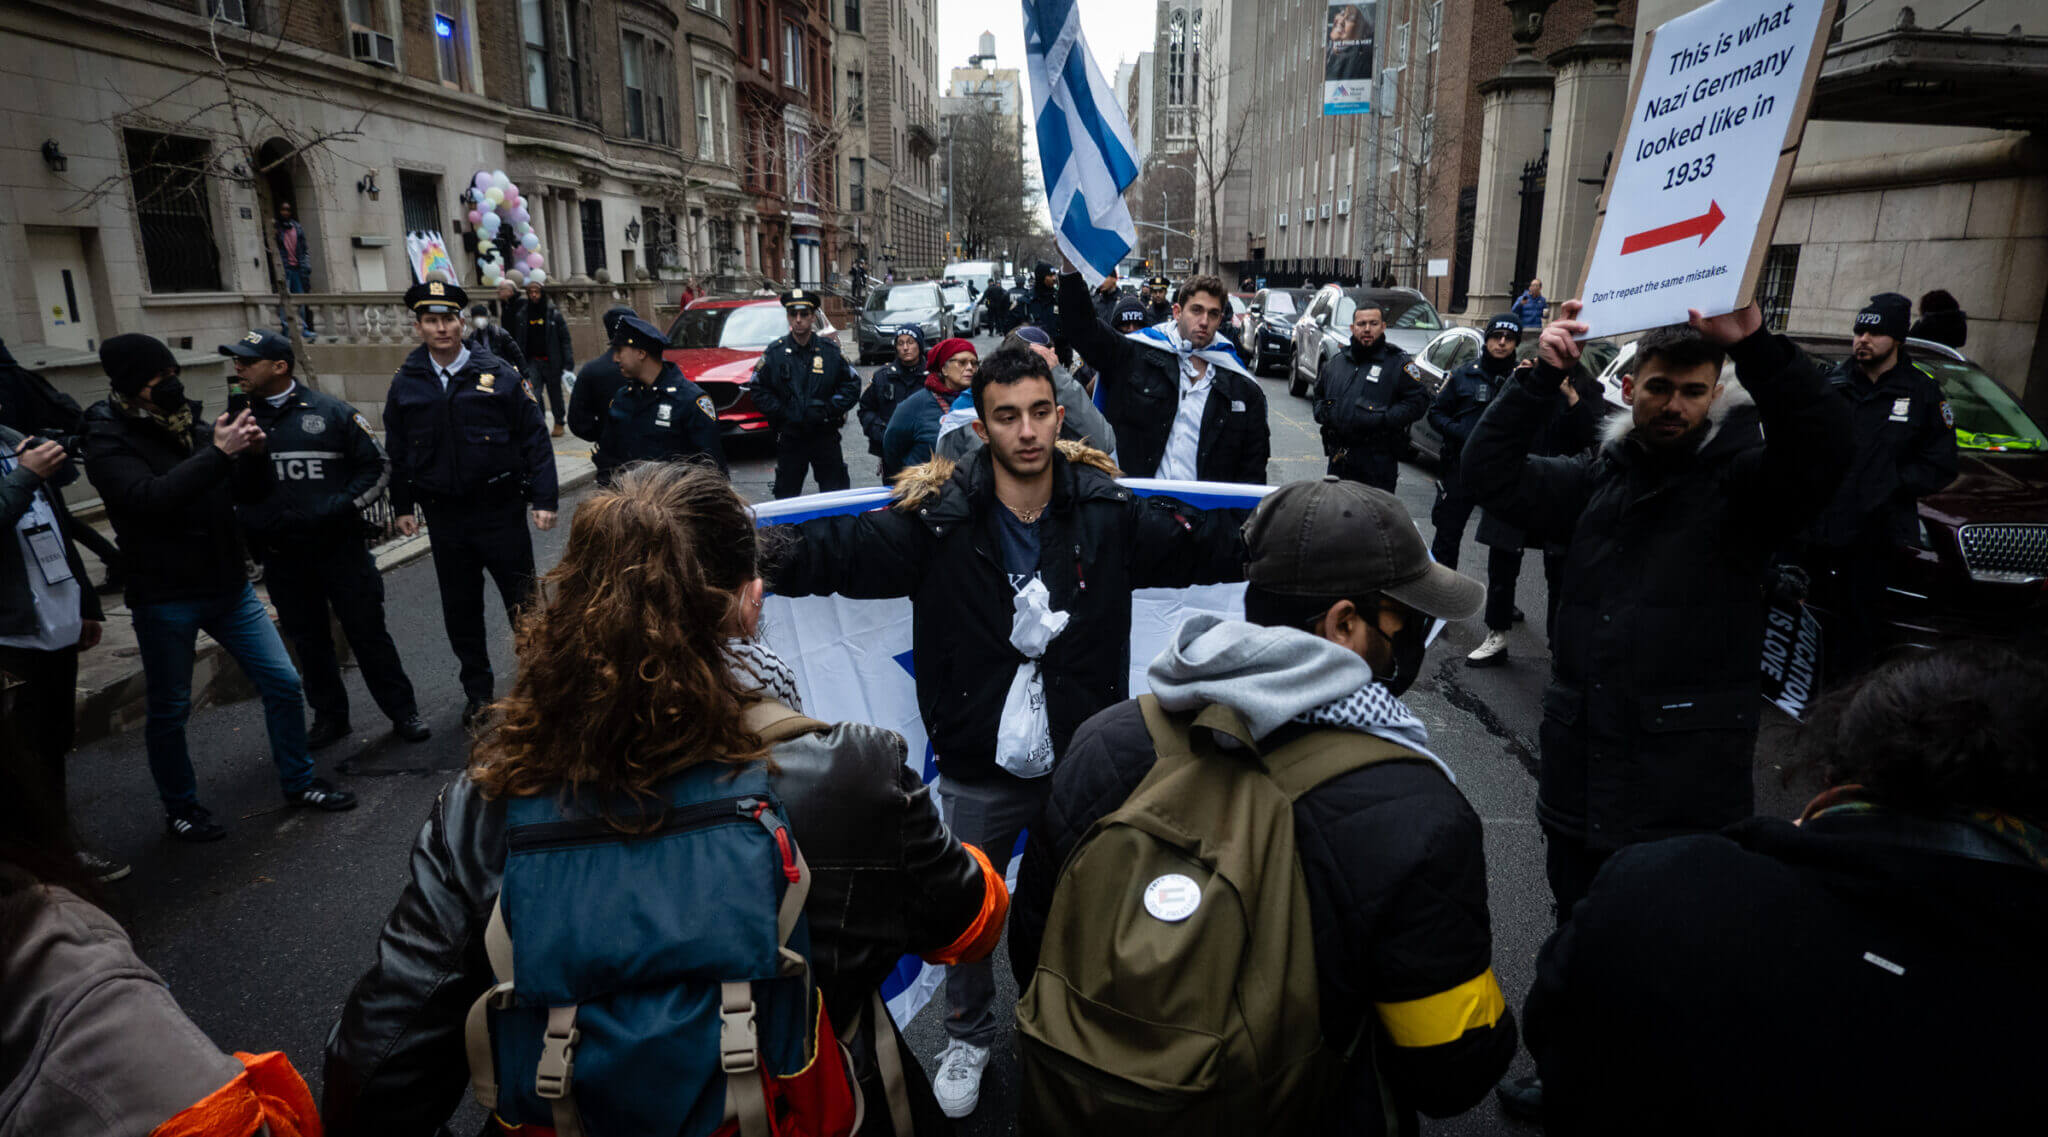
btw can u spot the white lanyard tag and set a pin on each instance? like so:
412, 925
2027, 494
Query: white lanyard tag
49, 551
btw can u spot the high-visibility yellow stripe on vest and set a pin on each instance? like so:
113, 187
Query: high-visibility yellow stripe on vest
1445, 1016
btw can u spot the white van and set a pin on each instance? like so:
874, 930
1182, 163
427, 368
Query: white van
979, 272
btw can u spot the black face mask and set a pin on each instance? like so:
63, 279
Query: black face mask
168, 396
1409, 646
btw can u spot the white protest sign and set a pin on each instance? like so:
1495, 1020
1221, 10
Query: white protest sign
1714, 125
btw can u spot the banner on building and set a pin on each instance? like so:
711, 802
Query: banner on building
1348, 33
1699, 172
853, 662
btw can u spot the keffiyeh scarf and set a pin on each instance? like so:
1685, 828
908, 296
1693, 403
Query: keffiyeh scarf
759, 669
1374, 710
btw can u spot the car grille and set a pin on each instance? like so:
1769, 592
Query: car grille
722, 395
2005, 554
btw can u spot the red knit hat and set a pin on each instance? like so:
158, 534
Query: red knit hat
947, 349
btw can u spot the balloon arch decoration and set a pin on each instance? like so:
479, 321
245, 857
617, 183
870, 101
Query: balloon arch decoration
508, 248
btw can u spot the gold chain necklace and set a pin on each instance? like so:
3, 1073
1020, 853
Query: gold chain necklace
1027, 516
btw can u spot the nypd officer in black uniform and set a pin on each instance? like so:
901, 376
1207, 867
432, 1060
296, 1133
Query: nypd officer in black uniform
658, 415
469, 446
1905, 442
1366, 397
804, 387
1160, 308
1465, 395
309, 534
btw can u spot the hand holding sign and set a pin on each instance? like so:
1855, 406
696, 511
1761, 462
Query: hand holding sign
1559, 343
1730, 329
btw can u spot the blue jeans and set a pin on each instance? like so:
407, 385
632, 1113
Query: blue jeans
299, 280
166, 635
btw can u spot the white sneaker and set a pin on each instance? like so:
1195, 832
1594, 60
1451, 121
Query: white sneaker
1494, 650
958, 1086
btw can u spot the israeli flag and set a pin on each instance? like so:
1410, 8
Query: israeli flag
853, 661
1085, 152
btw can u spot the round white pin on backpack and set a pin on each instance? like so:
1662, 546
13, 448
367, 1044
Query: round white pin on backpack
1172, 898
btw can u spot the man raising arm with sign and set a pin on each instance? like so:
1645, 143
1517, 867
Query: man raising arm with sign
1029, 534
1651, 715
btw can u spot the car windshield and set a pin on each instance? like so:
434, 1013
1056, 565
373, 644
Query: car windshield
1279, 304
954, 293
902, 297
1986, 417
1400, 311
752, 327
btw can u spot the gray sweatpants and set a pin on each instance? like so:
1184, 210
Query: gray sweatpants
988, 815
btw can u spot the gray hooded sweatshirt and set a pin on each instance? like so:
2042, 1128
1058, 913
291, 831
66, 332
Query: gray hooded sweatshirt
1274, 676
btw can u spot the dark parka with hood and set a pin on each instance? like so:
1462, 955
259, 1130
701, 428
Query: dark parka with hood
1650, 718
888, 386
937, 545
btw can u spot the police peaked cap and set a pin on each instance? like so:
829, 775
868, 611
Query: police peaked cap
636, 332
798, 300
436, 296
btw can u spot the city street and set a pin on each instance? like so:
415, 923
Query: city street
260, 936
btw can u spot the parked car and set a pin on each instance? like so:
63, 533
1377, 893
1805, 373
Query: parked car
717, 343
1980, 564
890, 306
1325, 328
1454, 348
1239, 318
977, 273
1269, 329
958, 301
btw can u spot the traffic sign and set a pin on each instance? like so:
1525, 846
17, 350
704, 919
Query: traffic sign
1715, 120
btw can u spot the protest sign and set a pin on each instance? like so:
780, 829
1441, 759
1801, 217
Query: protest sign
1791, 666
1715, 119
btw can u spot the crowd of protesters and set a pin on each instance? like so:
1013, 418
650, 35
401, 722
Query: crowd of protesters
1250, 898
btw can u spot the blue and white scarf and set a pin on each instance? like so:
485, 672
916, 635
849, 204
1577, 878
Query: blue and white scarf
1165, 336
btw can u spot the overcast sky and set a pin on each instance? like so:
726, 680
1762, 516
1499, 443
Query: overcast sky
1117, 30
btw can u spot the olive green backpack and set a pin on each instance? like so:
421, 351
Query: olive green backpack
1176, 986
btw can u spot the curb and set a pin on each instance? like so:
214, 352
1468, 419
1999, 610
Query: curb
119, 705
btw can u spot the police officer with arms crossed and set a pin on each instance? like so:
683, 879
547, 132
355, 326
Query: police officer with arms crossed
805, 387
1905, 439
1366, 398
658, 415
308, 532
468, 444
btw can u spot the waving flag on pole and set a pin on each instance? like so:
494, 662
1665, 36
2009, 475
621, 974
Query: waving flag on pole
1085, 153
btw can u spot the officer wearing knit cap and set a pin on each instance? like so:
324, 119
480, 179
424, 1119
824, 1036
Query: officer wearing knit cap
889, 385
468, 445
804, 388
658, 416
1905, 440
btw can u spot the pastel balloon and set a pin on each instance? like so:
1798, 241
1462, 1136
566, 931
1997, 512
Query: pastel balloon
538, 261
531, 240
520, 214
475, 218
483, 179
491, 223
494, 195
536, 276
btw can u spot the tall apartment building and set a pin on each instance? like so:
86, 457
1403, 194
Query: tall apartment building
902, 192
1133, 86
135, 204
789, 124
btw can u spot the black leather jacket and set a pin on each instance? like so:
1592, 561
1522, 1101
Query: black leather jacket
886, 880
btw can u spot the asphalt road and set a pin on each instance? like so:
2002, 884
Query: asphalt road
262, 935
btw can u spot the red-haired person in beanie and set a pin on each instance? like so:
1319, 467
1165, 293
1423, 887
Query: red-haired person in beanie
914, 428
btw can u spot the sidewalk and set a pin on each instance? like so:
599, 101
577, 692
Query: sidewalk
110, 684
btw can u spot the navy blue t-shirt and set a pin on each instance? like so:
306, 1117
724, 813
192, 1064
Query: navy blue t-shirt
1019, 547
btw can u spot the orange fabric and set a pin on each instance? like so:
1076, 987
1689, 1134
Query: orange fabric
980, 937
267, 1091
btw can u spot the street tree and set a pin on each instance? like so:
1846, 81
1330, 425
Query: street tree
1398, 215
228, 121
992, 192
1222, 150
1164, 201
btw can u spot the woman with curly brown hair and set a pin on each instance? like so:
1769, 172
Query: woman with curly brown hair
639, 663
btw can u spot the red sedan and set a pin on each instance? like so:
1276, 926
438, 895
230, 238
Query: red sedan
717, 343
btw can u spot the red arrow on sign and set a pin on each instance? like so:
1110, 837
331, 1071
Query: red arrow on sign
1702, 227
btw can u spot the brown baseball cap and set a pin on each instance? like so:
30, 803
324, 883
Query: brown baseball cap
1335, 539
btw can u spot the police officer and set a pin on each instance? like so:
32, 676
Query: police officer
308, 532
1466, 393
1905, 449
804, 388
1366, 397
597, 380
468, 444
658, 415
1160, 308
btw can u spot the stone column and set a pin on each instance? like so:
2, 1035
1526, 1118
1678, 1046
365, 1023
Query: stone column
1585, 118
1515, 109
579, 273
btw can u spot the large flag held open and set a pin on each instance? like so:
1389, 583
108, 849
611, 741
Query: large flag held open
853, 663
1085, 153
